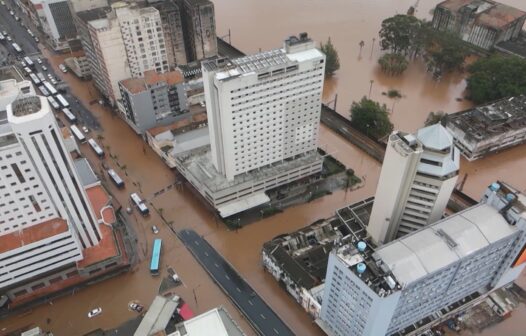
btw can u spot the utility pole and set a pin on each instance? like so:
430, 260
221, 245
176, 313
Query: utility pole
371, 88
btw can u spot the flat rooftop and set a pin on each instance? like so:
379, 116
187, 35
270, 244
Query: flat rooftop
32, 234
215, 322
25, 106
101, 204
94, 14
157, 317
491, 120
151, 77
86, 174
10, 72
199, 163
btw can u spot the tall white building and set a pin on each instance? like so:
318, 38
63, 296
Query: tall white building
143, 37
45, 217
264, 108
429, 275
418, 175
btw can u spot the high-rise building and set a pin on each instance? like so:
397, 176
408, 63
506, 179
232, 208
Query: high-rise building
264, 108
173, 31
199, 27
429, 275
56, 20
418, 175
86, 5
153, 100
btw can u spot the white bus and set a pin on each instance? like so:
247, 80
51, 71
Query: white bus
96, 148
62, 100
69, 115
50, 88
53, 103
43, 90
29, 62
78, 134
34, 78
116, 178
143, 209
17, 48
41, 76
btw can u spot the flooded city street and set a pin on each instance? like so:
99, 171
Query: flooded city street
263, 24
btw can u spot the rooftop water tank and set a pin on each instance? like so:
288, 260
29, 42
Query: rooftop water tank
510, 197
494, 186
361, 246
361, 268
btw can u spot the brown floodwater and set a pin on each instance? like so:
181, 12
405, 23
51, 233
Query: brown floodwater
254, 25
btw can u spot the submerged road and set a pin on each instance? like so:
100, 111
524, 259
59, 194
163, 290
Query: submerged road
258, 313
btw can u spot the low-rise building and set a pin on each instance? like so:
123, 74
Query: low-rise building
80, 66
155, 99
489, 128
483, 23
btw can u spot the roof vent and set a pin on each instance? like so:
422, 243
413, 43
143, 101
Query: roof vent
361, 268
495, 186
361, 246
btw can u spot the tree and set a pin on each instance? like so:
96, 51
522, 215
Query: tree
398, 33
332, 61
371, 118
434, 118
393, 64
446, 53
496, 77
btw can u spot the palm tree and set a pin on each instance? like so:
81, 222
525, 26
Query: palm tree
361, 44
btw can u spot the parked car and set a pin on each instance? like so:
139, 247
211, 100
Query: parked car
39, 61
12, 13
17, 18
136, 307
44, 68
155, 230
95, 312
85, 129
23, 64
36, 39
8, 38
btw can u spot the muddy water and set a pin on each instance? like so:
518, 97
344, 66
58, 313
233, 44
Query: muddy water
347, 22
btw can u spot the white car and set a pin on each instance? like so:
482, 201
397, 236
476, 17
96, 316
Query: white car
53, 81
44, 68
9, 39
85, 129
39, 61
95, 312
23, 64
12, 13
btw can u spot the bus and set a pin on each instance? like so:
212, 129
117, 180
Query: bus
41, 76
62, 100
34, 78
78, 134
156, 256
143, 209
50, 88
96, 148
69, 115
17, 48
43, 90
116, 178
53, 103
29, 62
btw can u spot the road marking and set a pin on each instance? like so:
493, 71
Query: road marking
206, 254
216, 265
196, 242
277, 332
226, 276
262, 316
250, 302
239, 290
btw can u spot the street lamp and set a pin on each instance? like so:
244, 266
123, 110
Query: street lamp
371, 88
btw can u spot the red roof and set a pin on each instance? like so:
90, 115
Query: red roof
32, 234
100, 202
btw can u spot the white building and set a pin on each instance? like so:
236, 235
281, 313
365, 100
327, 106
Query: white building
56, 21
143, 37
427, 276
418, 176
264, 108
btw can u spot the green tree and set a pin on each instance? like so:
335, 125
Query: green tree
496, 77
446, 53
332, 61
434, 118
398, 33
393, 64
371, 118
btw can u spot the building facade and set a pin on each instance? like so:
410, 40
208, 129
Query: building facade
198, 18
489, 128
264, 108
429, 275
153, 100
482, 23
56, 20
418, 175
172, 25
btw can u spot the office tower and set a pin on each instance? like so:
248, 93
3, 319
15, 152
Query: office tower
428, 275
264, 108
173, 31
199, 27
56, 21
418, 175
153, 100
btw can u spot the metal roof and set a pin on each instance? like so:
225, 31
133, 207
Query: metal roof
86, 174
435, 137
157, 317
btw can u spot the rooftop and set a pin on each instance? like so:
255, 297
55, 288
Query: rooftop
151, 77
435, 137
101, 204
32, 234
26, 106
215, 322
107, 248
10, 72
157, 316
491, 120
199, 163
86, 174
94, 14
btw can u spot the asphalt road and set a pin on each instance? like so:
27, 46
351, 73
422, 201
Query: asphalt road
257, 312
20, 35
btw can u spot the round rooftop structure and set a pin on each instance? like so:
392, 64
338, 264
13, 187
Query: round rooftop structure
26, 105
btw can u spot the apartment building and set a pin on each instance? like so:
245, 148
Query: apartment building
426, 277
143, 39
172, 25
156, 99
418, 175
198, 18
56, 20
